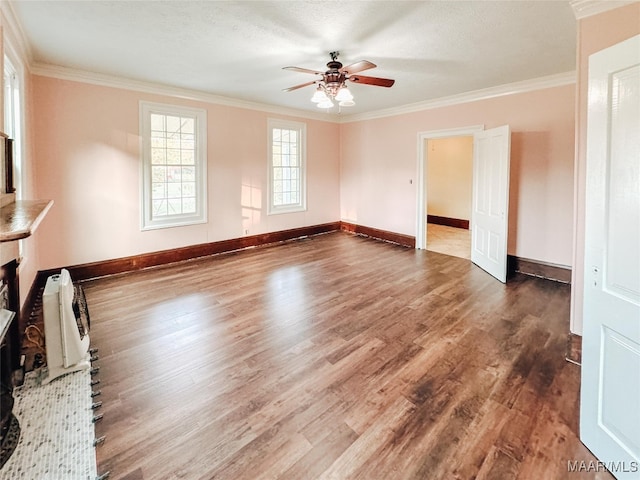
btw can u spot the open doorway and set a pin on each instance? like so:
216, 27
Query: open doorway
445, 172
490, 195
449, 187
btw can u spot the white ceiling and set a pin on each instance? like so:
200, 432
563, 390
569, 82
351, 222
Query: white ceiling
237, 49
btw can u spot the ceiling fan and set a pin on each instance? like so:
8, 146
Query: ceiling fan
332, 83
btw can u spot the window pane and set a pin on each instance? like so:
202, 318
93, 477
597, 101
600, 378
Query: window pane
188, 174
173, 156
157, 122
174, 174
158, 174
173, 124
188, 125
189, 205
189, 189
285, 135
158, 142
188, 157
173, 141
159, 207
158, 190
174, 190
158, 155
187, 141
174, 206
277, 134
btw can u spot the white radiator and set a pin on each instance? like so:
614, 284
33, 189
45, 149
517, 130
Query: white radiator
67, 351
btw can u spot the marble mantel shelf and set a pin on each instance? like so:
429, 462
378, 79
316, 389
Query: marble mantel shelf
21, 218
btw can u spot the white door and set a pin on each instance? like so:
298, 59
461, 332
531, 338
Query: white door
610, 391
490, 204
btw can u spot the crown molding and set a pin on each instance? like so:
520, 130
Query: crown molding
540, 83
587, 8
65, 73
13, 32
83, 76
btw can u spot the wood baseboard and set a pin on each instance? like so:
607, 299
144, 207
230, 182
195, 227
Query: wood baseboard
540, 269
399, 238
574, 349
33, 301
449, 222
137, 262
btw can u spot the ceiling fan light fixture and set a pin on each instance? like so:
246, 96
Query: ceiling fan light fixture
319, 96
331, 85
325, 103
344, 95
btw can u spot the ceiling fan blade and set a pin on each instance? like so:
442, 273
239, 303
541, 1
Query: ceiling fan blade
302, 70
358, 67
380, 82
298, 86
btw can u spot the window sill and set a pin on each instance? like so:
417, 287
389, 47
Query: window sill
279, 211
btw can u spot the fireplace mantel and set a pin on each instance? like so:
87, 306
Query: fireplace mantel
20, 219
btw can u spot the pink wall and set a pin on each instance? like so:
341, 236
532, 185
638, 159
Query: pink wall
379, 159
595, 33
88, 162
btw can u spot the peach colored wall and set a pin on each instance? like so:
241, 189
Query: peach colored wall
449, 177
379, 167
88, 162
595, 33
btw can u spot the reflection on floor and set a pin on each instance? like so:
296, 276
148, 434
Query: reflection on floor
449, 240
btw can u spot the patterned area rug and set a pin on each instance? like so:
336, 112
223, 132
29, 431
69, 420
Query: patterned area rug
10, 440
57, 434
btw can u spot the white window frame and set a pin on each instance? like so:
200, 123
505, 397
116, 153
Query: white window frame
14, 116
148, 221
301, 128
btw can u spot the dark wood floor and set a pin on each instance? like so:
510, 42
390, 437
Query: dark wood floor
334, 357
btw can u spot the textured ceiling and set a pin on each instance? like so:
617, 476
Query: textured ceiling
237, 49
